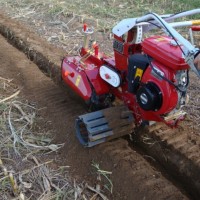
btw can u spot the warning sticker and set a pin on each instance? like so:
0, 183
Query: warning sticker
139, 72
78, 79
160, 39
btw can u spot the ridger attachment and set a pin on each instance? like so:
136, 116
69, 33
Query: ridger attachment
148, 76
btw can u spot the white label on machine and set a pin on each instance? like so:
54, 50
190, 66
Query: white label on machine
138, 39
109, 76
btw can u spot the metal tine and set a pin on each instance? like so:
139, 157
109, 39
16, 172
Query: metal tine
91, 116
98, 129
100, 136
96, 123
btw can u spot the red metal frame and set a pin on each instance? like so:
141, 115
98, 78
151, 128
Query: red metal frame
81, 73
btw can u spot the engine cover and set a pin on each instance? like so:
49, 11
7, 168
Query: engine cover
155, 94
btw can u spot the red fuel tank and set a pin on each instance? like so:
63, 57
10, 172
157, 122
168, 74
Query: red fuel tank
166, 51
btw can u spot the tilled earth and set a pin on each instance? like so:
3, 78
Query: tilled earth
162, 164
133, 177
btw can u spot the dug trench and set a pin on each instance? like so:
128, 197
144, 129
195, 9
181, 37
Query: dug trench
133, 177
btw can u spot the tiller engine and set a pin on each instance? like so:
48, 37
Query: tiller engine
144, 82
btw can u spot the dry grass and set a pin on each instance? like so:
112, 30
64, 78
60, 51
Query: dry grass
107, 12
60, 22
105, 174
27, 171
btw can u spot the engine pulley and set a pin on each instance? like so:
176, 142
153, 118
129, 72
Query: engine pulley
110, 76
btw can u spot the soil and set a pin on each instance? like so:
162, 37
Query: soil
133, 177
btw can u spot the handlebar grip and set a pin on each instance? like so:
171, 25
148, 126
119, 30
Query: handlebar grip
195, 28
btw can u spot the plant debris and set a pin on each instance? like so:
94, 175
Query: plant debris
25, 171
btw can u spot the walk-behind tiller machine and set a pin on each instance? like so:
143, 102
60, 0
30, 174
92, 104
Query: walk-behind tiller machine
148, 76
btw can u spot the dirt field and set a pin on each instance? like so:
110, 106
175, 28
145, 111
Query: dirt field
132, 176
162, 164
